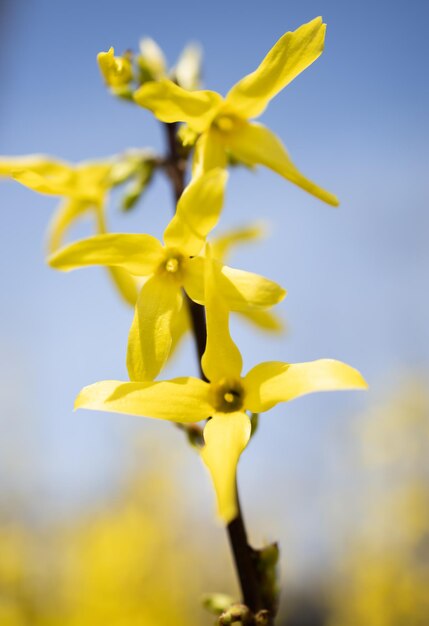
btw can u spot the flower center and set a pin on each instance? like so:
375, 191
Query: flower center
227, 395
226, 123
172, 264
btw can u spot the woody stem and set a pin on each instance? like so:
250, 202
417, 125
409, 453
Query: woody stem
244, 563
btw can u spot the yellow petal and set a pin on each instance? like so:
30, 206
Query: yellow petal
152, 58
225, 435
291, 55
43, 165
170, 103
243, 290
272, 382
184, 400
63, 218
198, 212
222, 358
125, 283
267, 320
138, 254
150, 337
223, 244
209, 153
240, 290
254, 144
56, 183
188, 69
180, 324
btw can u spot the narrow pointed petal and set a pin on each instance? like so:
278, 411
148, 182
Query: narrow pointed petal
222, 358
269, 383
291, 55
150, 337
240, 290
267, 320
184, 400
222, 245
138, 254
198, 212
56, 183
209, 153
225, 435
245, 290
256, 145
40, 163
125, 283
69, 211
180, 325
188, 68
170, 103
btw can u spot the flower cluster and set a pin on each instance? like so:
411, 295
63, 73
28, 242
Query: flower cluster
172, 282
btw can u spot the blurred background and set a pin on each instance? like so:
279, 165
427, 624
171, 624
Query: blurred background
103, 517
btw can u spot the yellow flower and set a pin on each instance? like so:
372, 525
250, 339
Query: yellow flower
83, 187
169, 268
223, 123
221, 247
117, 71
226, 398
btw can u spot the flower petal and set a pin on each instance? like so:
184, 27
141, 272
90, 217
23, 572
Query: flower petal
269, 383
255, 144
138, 254
182, 400
222, 358
209, 152
150, 336
267, 320
43, 165
222, 245
243, 290
291, 55
57, 182
170, 103
198, 212
225, 435
240, 290
125, 283
63, 218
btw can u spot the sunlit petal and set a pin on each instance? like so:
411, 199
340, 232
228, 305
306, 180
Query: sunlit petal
243, 290
225, 435
292, 54
222, 358
223, 244
255, 144
138, 254
269, 383
198, 212
150, 337
209, 152
170, 103
178, 400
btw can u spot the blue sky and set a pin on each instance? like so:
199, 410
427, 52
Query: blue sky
355, 121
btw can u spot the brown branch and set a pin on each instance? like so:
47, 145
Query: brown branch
245, 562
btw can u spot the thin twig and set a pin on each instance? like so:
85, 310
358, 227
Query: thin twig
244, 563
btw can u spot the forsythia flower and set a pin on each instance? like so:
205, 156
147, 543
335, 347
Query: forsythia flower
225, 399
84, 188
223, 123
117, 71
221, 247
167, 269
